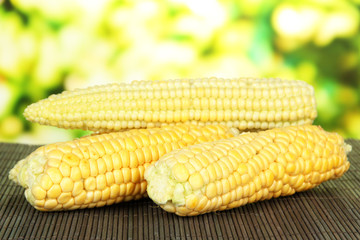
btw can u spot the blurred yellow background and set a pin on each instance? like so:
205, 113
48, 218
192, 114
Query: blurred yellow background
49, 46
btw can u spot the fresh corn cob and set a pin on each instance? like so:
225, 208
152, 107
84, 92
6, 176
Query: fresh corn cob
244, 103
229, 173
102, 169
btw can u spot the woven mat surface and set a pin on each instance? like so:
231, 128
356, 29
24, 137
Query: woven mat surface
330, 211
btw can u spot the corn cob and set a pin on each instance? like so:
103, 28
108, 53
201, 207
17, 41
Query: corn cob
244, 103
228, 173
101, 169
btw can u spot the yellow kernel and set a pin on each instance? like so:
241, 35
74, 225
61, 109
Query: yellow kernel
196, 181
64, 147
45, 182
137, 139
114, 191
118, 176
144, 139
94, 171
54, 174
64, 169
38, 192
108, 162
80, 198
211, 190
55, 154
101, 166
180, 172
90, 184
205, 175
218, 170
126, 172
64, 197
299, 181
226, 198
110, 180
191, 201
71, 159
100, 182
269, 178
317, 166
147, 154
291, 168
125, 158
66, 184
133, 160
245, 178
52, 162
290, 157
93, 153
75, 174
116, 161
225, 185
161, 149
196, 164
130, 187
105, 194
242, 168
84, 168
109, 149
325, 166
130, 144
140, 156
78, 188
154, 153
135, 175
97, 196
54, 191
39, 203
232, 181
89, 197
189, 139
50, 203
212, 173
224, 168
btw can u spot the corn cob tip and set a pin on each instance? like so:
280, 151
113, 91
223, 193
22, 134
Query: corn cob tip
163, 188
14, 172
347, 147
26, 170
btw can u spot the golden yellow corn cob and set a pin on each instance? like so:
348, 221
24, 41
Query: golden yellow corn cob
244, 103
102, 169
228, 173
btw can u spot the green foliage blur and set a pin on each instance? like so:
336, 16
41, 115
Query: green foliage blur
49, 46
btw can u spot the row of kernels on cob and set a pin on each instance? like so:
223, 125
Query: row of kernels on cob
243, 103
231, 172
103, 169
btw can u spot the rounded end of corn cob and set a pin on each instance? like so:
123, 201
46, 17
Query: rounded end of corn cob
26, 170
347, 147
163, 187
14, 172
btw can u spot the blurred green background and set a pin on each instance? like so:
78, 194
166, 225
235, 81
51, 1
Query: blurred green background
49, 46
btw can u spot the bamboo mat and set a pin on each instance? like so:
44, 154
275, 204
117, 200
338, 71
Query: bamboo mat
330, 211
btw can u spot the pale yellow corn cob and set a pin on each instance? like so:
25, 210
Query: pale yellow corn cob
229, 173
244, 103
102, 169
